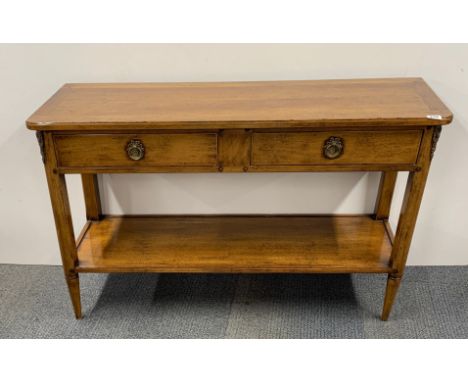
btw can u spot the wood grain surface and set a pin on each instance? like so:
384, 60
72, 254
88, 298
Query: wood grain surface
385, 125
235, 244
376, 102
109, 150
384, 147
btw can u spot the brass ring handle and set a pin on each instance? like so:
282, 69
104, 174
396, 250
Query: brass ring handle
333, 147
135, 149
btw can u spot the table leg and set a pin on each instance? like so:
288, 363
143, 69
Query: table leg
63, 222
393, 282
408, 215
91, 196
385, 195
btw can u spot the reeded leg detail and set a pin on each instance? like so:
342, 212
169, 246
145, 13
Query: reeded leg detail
393, 282
73, 283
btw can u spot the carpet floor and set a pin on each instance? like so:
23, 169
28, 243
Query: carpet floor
34, 303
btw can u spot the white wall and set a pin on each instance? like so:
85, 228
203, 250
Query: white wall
29, 74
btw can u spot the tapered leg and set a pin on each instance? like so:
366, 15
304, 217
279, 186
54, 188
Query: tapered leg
393, 282
408, 215
73, 282
63, 222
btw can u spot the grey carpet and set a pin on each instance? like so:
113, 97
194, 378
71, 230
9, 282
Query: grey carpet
34, 303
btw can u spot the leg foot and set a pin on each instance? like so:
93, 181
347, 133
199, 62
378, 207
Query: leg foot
73, 283
393, 282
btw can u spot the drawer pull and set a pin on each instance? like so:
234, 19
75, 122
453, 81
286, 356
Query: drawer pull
333, 147
135, 149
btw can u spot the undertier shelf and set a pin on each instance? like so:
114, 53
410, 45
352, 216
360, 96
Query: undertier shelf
243, 244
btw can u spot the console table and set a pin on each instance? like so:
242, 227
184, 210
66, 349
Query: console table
385, 125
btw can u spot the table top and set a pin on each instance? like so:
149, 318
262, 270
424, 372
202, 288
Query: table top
265, 104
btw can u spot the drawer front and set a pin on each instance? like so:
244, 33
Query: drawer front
345, 147
117, 150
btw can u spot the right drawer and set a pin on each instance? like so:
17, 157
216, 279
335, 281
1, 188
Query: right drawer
340, 147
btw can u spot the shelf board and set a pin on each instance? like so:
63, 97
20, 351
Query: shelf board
244, 244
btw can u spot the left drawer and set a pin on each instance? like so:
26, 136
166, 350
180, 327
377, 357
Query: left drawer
136, 150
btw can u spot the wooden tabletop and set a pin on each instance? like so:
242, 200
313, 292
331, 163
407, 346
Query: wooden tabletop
369, 102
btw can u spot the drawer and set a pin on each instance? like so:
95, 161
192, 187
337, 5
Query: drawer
344, 147
117, 150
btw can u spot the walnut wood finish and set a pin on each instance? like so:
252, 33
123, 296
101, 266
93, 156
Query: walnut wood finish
91, 196
109, 150
234, 150
238, 151
384, 125
385, 195
246, 244
63, 223
382, 147
393, 284
371, 102
407, 221
251, 168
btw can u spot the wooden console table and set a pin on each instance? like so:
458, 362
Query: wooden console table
385, 125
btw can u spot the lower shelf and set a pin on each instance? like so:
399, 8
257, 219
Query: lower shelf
247, 244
